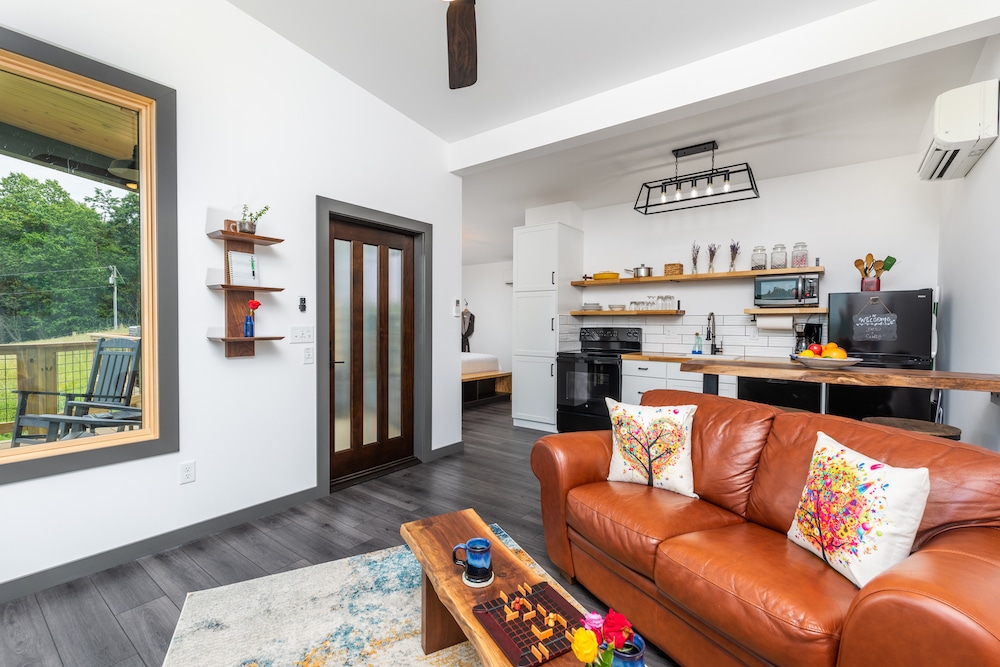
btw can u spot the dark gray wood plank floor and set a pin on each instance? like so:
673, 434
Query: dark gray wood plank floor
125, 616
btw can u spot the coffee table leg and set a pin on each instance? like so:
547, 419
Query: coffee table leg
438, 628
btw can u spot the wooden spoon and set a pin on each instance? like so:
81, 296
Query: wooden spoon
861, 267
878, 267
869, 258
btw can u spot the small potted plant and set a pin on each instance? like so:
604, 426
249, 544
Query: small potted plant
248, 223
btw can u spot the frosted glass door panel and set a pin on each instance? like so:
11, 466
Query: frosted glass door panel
341, 345
369, 336
395, 389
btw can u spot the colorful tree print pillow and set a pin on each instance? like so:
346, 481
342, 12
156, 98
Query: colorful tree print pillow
652, 445
858, 514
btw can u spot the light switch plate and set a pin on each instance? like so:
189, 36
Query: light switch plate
301, 335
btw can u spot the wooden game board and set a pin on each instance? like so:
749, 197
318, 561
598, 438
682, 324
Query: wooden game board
532, 625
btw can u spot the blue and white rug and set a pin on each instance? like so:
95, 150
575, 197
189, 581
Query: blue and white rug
363, 610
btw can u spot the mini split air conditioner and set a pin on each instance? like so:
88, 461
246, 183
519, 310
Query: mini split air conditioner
962, 126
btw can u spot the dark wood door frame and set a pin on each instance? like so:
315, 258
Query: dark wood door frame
422, 329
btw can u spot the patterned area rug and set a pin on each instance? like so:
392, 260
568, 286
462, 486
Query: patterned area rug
363, 610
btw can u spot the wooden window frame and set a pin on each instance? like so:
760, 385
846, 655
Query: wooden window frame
157, 109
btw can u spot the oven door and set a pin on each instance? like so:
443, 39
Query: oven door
582, 383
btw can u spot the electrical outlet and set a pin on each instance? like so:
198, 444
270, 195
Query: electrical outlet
301, 334
754, 333
307, 355
187, 472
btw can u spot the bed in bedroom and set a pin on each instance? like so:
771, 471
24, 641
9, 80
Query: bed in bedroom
483, 379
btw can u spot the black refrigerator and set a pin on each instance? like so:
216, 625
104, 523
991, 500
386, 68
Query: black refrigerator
892, 329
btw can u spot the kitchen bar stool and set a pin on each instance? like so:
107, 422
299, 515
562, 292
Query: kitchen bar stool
918, 426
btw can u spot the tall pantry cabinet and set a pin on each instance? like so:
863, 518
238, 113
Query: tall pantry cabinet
546, 258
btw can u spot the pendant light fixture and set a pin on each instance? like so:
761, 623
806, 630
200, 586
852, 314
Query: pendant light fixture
699, 188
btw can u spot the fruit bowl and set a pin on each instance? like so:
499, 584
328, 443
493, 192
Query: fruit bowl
825, 364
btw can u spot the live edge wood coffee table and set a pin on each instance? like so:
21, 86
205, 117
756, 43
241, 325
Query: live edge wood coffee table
446, 602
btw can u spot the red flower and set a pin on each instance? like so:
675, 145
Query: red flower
617, 629
254, 304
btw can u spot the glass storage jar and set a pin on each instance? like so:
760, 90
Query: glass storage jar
779, 257
758, 260
800, 255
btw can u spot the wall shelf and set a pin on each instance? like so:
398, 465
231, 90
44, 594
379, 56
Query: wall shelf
688, 277
237, 296
588, 313
804, 310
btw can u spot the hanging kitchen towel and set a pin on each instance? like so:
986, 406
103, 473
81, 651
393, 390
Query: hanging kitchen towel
468, 326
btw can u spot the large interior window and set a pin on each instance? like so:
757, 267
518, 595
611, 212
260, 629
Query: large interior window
87, 225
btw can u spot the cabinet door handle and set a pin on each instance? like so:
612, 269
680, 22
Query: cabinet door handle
552, 325
552, 370
553, 277
643, 368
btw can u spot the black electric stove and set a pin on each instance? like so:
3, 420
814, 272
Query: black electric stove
585, 378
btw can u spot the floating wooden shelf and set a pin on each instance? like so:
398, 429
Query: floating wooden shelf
238, 295
686, 277
245, 288
587, 313
805, 310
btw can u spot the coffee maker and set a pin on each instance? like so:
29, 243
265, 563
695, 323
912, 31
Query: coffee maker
806, 334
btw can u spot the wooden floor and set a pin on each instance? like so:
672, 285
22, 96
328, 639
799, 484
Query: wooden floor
125, 617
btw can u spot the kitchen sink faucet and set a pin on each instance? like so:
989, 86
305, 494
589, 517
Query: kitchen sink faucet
710, 334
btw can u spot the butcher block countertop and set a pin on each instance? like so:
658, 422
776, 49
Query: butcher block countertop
786, 369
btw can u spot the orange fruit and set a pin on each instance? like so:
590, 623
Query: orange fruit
830, 346
839, 353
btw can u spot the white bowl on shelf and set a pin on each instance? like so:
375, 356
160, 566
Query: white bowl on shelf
617, 306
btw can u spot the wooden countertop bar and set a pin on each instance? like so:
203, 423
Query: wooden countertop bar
780, 369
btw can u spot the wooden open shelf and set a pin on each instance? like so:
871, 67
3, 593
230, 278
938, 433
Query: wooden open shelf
588, 313
686, 277
237, 296
803, 310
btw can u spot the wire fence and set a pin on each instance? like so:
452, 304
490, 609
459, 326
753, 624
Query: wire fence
66, 370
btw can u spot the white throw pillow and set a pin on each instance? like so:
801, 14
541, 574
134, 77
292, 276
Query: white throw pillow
652, 445
858, 514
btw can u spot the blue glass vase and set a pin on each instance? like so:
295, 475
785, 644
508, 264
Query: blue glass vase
248, 327
635, 659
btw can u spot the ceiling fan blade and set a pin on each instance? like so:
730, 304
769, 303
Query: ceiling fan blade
462, 58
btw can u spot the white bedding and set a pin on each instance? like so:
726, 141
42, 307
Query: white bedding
477, 362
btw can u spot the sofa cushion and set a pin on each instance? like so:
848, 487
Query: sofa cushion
727, 436
858, 514
963, 477
628, 521
765, 593
652, 445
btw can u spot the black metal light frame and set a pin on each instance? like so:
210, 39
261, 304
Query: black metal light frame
726, 184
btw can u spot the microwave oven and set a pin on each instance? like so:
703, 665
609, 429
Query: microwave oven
787, 290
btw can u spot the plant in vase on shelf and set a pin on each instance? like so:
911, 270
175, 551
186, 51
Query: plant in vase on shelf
248, 323
712, 249
734, 250
695, 251
248, 223
609, 640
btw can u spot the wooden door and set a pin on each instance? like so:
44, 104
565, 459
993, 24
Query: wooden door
371, 361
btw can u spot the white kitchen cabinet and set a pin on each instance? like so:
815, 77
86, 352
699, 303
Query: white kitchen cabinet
657, 369
533, 400
546, 258
633, 387
536, 322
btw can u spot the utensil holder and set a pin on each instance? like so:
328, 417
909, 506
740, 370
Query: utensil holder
871, 284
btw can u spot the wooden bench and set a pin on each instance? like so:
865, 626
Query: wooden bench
484, 387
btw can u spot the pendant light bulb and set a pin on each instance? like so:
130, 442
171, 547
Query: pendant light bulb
663, 193
708, 190
677, 193
694, 189
725, 184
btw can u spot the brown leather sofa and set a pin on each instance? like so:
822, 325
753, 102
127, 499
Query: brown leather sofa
715, 581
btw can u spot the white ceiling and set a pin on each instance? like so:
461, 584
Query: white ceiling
536, 56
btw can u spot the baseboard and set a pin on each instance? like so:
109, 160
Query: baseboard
371, 473
17, 588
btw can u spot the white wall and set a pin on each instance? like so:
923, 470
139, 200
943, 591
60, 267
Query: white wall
259, 122
490, 300
970, 273
878, 207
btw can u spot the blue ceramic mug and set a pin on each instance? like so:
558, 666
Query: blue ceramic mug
478, 562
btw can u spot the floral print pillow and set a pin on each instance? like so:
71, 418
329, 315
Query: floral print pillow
858, 514
652, 445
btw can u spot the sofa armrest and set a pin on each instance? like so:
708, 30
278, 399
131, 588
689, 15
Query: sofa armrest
562, 462
937, 606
